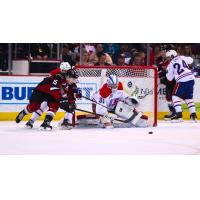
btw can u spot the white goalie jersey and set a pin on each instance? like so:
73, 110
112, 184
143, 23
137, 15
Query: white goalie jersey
108, 97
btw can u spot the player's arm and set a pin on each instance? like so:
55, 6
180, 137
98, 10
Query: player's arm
55, 87
55, 71
170, 72
189, 61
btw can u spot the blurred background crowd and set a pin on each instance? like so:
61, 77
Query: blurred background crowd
96, 54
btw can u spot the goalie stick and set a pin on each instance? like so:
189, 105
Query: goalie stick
134, 118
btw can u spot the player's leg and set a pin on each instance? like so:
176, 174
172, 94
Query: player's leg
178, 93
36, 114
53, 107
35, 101
189, 100
169, 90
67, 122
106, 121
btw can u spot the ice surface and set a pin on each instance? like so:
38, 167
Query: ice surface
167, 138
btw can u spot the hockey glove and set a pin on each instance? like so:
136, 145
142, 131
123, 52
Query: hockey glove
162, 73
78, 93
66, 106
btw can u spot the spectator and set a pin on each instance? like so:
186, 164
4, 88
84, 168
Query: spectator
85, 59
179, 49
94, 57
111, 49
68, 55
102, 60
143, 58
40, 51
187, 50
124, 49
137, 60
121, 60
90, 48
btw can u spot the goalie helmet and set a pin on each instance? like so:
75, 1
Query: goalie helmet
171, 54
112, 81
64, 67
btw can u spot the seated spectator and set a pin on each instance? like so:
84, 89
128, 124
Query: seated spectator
121, 60
99, 49
143, 58
90, 48
123, 49
68, 55
187, 50
85, 59
137, 60
40, 51
102, 59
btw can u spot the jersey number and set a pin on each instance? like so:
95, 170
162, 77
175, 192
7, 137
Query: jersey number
179, 68
55, 82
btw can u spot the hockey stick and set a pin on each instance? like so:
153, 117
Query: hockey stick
134, 118
95, 102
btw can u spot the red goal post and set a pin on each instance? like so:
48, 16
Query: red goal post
135, 79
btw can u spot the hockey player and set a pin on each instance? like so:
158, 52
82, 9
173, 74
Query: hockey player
67, 103
115, 102
162, 64
49, 90
178, 68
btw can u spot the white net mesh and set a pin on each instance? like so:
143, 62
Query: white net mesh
135, 80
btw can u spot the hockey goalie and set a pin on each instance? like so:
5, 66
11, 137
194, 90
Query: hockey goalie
111, 104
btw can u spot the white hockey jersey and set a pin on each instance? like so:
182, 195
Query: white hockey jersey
178, 68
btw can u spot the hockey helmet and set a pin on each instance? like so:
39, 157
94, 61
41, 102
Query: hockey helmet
72, 73
171, 54
112, 81
64, 67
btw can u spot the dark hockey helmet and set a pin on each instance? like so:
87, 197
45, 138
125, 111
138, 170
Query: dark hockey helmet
71, 73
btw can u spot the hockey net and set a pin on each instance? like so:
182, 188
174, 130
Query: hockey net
141, 80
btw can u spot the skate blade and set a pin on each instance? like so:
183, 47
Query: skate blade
167, 119
176, 120
28, 127
194, 121
45, 129
65, 128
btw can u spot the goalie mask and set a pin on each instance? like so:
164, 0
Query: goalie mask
112, 81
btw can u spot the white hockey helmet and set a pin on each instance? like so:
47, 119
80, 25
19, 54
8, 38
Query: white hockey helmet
171, 54
112, 81
64, 67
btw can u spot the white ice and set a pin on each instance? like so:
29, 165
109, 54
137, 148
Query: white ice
167, 138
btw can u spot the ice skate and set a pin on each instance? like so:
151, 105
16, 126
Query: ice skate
20, 116
193, 117
29, 124
66, 125
177, 118
46, 126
